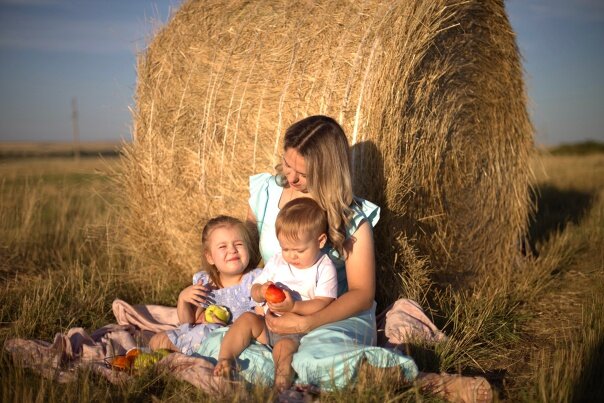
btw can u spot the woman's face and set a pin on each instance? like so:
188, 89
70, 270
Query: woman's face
294, 169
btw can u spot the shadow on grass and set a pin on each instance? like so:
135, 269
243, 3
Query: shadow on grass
556, 208
590, 387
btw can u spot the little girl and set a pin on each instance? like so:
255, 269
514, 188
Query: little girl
228, 263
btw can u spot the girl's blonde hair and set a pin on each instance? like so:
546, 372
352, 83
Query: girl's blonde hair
324, 146
299, 218
222, 221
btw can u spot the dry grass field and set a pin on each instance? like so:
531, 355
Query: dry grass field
537, 333
15, 150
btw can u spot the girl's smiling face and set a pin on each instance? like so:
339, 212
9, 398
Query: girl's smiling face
228, 251
294, 169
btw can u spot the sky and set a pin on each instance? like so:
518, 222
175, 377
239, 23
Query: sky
54, 50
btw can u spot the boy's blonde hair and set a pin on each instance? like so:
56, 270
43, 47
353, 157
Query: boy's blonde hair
301, 217
222, 221
324, 146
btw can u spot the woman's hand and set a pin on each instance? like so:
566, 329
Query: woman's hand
287, 305
288, 323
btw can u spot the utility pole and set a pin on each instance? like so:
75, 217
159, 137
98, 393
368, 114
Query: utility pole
76, 129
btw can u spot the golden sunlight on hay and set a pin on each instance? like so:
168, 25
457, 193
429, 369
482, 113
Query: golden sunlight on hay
430, 94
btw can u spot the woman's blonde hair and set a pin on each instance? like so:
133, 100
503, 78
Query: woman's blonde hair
222, 221
321, 141
299, 218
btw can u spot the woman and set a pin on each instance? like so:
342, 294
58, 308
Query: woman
316, 164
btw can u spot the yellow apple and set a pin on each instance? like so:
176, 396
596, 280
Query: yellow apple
219, 311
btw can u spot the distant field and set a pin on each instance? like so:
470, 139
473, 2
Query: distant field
12, 150
582, 148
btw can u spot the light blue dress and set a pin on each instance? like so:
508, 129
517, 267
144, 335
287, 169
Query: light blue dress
330, 355
237, 299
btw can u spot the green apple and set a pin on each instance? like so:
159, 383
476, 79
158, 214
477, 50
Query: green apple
219, 311
146, 360
162, 352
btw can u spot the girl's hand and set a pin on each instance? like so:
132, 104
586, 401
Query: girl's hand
288, 323
287, 305
195, 294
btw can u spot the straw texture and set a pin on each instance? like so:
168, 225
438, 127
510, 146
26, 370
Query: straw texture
430, 94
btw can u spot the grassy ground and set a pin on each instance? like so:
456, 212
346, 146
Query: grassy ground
536, 332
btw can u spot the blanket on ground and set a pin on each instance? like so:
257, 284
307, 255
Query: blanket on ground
403, 322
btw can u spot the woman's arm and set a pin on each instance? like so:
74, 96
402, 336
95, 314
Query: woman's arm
308, 307
360, 273
311, 306
250, 218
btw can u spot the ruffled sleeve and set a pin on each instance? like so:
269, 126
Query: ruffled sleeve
249, 278
259, 195
265, 193
363, 211
201, 275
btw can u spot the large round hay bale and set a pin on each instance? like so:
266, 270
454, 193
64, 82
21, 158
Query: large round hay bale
430, 94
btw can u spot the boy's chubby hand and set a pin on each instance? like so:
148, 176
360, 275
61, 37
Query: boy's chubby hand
263, 289
287, 305
258, 291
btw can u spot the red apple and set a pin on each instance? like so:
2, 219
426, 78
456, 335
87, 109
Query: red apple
274, 294
120, 362
132, 354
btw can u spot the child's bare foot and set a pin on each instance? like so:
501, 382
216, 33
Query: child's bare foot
457, 388
225, 368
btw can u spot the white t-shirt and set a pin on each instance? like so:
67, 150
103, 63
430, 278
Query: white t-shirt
319, 280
